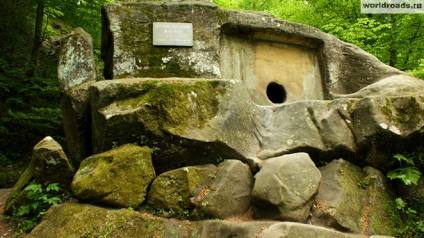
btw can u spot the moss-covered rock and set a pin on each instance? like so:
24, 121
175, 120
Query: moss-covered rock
176, 117
175, 193
202, 192
354, 199
380, 207
80, 220
49, 164
118, 177
127, 44
384, 126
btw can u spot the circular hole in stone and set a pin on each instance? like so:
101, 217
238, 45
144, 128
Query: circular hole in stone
276, 93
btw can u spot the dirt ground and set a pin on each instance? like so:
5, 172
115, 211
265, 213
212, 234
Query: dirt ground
6, 228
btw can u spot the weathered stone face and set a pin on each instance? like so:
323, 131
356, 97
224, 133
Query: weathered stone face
128, 48
76, 71
285, 187
361, 193
76, 60
256, 48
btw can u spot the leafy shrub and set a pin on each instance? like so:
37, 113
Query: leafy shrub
41, 198
412, 211
407, 171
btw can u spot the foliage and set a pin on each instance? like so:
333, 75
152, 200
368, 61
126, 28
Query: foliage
406, 170
414, 217
41, 198
29, 111
29, 106
412, 211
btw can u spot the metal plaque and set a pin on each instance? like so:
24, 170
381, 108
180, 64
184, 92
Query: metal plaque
172, 34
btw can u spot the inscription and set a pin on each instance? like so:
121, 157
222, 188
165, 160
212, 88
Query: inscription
172, 34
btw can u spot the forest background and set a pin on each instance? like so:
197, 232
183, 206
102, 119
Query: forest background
30, 35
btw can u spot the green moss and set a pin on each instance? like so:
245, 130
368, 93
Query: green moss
175, 106
387, 109
402, 111
78, 220
222, 15
407, 112
118, 177
354, 209
383, 216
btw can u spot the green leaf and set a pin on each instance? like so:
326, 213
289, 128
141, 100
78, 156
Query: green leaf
400, 204
409, 175
34, 206
402, 158
53, 187
54, 200
23, 210
34, 188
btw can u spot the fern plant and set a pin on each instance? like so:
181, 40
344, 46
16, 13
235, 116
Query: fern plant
40, 200
407, 171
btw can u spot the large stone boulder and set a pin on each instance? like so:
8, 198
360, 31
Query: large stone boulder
192, 122
118, 177
230, 194
200, 192
174, 193
355, 200
285, 187
80, 220
76, 71
49, 164
251, 46
179, 117
291, 229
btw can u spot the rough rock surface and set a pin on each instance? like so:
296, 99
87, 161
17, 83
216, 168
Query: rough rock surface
76, 71
361, 107
78, 220
76, 60
49, 164
77, 122
200, 192
127, 54
175, 192
174, 116
291, 229
285, 187
118, 177
232, 187
361, 193
206, 119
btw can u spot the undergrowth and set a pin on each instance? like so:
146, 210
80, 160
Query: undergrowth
40, 199
411, 206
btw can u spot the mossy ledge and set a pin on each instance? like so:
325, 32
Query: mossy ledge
175, 106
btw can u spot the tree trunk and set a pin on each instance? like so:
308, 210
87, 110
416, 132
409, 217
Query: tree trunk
392, 45
38, 35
